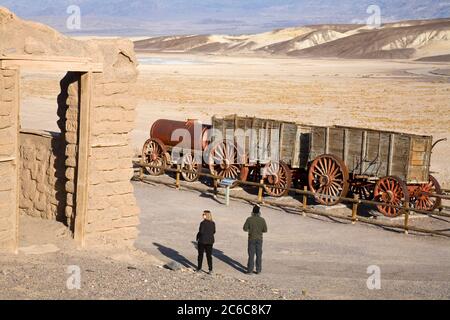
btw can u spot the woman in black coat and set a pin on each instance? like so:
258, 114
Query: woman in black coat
205, 240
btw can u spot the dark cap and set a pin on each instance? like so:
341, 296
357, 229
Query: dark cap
256, 209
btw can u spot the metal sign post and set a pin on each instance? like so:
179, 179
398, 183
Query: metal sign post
227, 183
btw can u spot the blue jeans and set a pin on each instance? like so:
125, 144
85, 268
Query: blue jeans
254, 248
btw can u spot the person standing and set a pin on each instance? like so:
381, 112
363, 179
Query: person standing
255, 226
205, 240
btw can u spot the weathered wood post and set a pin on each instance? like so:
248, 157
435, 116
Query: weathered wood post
177, 183
215, 186
406, 217
305, 201
141, 170
260, 191
227, 196
355, 209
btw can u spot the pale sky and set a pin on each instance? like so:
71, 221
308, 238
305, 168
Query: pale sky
158, 17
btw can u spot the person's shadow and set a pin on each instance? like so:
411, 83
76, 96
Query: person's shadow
174, 255
225, 259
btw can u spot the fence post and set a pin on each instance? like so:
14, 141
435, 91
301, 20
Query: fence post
215, 183
355, 209
406, 217
260, 191
177, 183
305, 201
141, 170
227, 196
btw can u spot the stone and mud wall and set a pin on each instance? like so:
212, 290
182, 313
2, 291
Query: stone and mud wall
112, 212
8, 160
42, 175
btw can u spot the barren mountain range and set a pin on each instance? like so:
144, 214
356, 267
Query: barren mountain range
416, 39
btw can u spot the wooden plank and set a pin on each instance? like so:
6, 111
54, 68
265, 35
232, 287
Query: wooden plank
355, 137
280, 143
391, 153
83, 158
7, 159
336, 142
53, 65
373, 155
44, 58
345, 152
384, 154
401, 154
364, 152
419, 160
17, 161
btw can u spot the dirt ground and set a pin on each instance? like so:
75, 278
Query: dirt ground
304, 257
326, 258
395, 95
47, 256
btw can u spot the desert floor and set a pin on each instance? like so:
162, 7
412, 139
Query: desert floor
394, 95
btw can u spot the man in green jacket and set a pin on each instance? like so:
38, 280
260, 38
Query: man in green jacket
255, 226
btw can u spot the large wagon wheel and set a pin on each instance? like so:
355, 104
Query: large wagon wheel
223, 162
393, 191
363, 189
422, 200
328, 178
277, 175
153, 154
190, 168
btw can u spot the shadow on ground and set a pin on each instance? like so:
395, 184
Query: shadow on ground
174, 255
218, 254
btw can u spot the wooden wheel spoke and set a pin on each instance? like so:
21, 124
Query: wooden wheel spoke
393, 191
278, 179
328, 177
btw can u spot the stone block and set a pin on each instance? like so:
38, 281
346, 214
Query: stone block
72, 114
69, 211
115, 88
70, 173
70, 186
132, 221
41, 204
71, 126
71, 150
69, 199
71, 137
29, 189
9, 95
71, 162
9, 83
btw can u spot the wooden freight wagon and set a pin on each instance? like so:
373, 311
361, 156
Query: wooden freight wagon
379, 165
334, 162
391, 167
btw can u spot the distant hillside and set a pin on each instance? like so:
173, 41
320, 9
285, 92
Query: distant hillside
414, 39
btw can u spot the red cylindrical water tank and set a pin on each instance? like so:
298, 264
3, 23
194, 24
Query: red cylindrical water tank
190, 134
